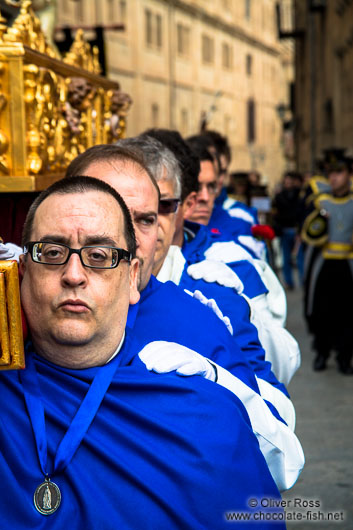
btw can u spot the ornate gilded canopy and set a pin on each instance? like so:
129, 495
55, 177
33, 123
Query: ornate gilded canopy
51, 108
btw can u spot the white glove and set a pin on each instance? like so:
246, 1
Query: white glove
239, 213
276, 297
228, 252
212, 304
161, 356
258, 247
10, 251
215, 272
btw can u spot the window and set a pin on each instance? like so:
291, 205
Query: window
155, 115
184, 122
227, 56
122, 12
111, 10
79, 10
148, 22
207, 49
248, 64
159, 31
227, 125
248, 9
153, 29
251, 125
183, 39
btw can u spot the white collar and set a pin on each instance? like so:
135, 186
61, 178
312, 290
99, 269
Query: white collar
118, 348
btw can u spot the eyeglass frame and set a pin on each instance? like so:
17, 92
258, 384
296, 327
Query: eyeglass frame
123, 255
174, 200
210, 186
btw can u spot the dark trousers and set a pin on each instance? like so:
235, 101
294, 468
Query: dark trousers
288, 238
332, 316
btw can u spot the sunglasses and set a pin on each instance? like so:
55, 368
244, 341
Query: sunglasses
168, 206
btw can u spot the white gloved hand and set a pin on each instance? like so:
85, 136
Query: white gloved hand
258, 247
212, 271
228, 252
161, 356
10, 251
276, 296
239, 213
212, 304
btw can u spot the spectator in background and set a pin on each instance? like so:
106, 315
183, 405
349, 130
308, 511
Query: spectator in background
286, 217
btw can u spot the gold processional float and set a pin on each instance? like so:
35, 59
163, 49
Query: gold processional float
51, 109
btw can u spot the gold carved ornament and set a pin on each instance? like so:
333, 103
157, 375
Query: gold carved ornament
51, 108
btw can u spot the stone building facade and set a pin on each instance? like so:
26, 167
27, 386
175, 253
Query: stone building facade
324, 78
183, 60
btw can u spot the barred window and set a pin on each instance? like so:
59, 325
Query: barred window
227, 56
183, 39
207, 49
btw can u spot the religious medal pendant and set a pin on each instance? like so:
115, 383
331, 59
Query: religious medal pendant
47, 497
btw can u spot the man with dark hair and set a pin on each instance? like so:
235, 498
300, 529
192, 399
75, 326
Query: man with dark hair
105, 441
232, 223
81, 185
207, 186
286, 207
189, 161
222, 147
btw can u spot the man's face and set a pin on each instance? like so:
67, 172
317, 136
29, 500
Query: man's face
70, 307
166, 226
339, 181
288, 182
141, 197
206, 195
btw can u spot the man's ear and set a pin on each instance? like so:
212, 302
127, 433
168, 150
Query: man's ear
22, 265
134, 276
189, 204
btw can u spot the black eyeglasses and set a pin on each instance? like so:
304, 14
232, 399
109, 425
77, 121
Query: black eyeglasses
168, 206
210, 186
92, 256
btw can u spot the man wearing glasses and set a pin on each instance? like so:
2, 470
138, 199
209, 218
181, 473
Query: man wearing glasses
89, 438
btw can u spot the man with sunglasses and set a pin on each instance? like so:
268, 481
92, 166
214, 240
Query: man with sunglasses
90, 438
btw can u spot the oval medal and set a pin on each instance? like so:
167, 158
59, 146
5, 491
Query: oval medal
47, 497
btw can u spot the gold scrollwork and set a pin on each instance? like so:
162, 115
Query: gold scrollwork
4, 142
51, 108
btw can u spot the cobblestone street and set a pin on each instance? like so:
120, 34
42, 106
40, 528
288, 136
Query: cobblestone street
323, 402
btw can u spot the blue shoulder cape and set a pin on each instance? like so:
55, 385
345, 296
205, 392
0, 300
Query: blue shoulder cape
245, 333
199, 238
165, 312
158, 454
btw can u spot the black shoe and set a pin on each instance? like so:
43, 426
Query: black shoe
319, 363
345, 367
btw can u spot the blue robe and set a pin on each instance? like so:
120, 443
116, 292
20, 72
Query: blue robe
245, 333
225, 223
165, 312
158, 454
201, 238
